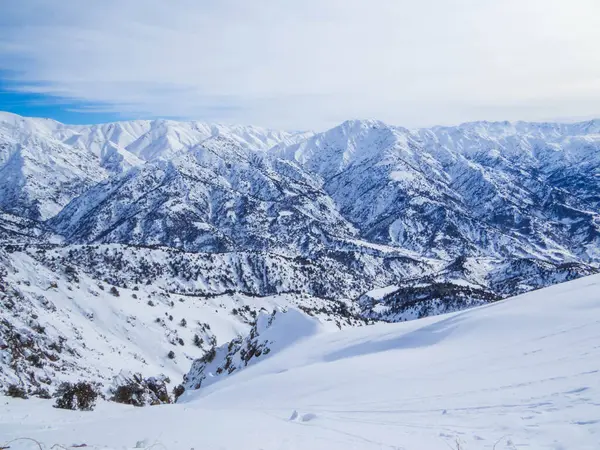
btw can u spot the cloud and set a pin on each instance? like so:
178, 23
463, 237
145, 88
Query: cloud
310, 63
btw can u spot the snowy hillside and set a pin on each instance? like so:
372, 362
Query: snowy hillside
16, 229
62, 325
520, 373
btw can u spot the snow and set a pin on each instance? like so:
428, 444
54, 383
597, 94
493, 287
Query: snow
432, 190
381, 203
406, 177
272, 333
283, 217
520, 373
379, 293
104, 334
53, 163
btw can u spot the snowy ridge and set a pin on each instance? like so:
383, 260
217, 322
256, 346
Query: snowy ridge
249, 204
252, 273
270, 334
44, 164
488, 189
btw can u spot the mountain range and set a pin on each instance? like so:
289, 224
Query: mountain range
363, 222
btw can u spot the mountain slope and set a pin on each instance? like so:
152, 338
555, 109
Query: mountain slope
482, 189
19, 230
44, 164
218, 196
518, 373
59, 324
39, 174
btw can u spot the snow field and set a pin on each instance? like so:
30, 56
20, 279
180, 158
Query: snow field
523, 373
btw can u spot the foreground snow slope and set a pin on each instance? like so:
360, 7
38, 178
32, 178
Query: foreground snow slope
520, 373
61, 325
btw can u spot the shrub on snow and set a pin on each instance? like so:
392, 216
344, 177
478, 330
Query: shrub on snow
139, 391
79, 395
178, 391
16, 391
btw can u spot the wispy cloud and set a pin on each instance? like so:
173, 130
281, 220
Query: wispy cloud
309, 63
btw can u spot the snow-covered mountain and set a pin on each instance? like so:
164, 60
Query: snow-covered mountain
45, 164
485, 189
388, 204
216, 197
363, 222
482, 189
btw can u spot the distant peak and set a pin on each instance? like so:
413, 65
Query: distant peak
363, 123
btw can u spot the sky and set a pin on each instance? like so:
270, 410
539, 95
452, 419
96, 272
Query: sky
307, 64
